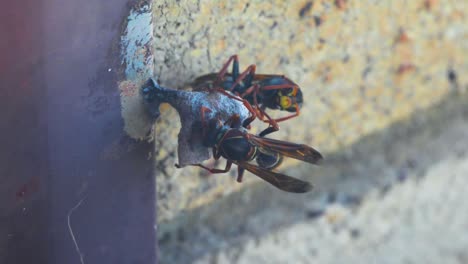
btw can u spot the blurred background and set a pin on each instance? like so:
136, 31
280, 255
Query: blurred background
384, 86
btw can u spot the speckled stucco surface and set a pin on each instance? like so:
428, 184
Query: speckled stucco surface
361, 64
426, 230
365, 68
397, 196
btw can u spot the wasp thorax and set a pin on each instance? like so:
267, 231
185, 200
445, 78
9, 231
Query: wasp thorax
235, 146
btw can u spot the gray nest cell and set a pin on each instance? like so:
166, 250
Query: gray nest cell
188, 104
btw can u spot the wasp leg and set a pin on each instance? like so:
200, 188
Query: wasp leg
230, 95
213, 170
240, 173
273, 125
261, 112
289, 117
272, 122
268, 130
246, 103
252, 116
250, 90
222, 72
203, 118
235, 67
216, 154
254, 89
248, 73
233, 121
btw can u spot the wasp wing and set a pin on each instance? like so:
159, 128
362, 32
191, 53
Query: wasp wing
210, 78
280, 181
204, 80
288, 149
259, 77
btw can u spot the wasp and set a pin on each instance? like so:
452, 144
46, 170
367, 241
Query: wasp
232, 141
260, 90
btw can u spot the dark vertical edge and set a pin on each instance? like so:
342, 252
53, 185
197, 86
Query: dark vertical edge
23, 130
61, 124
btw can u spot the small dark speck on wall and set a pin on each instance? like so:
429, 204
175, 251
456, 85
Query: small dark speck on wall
346, 58
284, 60
355, 233
312, 214
452, 76
402, 175
366, 72
246, 7
305, 9
331, 197
181, 235
273, 25
384, 190
318, 21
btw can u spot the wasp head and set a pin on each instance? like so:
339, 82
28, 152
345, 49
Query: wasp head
290, 99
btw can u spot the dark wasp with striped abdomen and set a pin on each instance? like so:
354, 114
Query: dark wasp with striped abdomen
262, 91
232, 141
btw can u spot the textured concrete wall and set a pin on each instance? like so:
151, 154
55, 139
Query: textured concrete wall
369, 71
396, 196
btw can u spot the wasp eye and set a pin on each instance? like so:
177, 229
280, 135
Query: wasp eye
293, 92
285, 102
